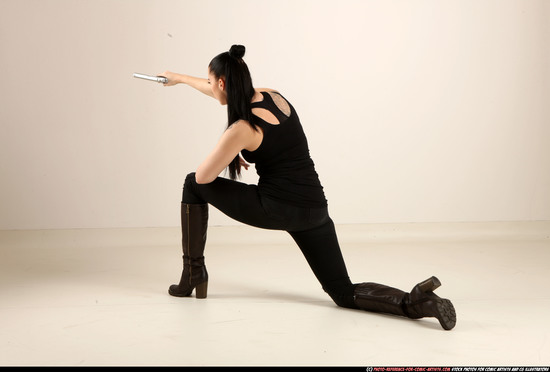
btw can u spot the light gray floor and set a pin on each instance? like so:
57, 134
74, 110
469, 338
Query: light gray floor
99, 297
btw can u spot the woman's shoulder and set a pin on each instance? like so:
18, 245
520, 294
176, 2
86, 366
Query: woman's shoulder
279, 100
240, 125
241, 132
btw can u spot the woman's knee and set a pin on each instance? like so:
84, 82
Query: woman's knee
341, 300
190, 192
342, 293
189, 179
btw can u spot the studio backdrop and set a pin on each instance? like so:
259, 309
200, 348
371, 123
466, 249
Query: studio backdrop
415, 111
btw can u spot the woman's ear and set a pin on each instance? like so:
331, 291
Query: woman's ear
221, 84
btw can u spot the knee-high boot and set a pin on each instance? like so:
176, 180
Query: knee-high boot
194, 224
419, 303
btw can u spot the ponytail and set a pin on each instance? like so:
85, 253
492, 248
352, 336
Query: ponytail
240, 91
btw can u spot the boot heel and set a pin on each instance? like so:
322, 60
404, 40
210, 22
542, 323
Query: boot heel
201, 290
429, 285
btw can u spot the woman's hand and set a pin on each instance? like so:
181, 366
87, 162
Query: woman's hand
172, 78
243, 163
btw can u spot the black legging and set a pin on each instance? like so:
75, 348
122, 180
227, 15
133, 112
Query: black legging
311, 228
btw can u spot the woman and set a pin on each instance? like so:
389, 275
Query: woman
265, 129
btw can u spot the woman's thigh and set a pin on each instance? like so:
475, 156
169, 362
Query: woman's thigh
239, 201
243, 203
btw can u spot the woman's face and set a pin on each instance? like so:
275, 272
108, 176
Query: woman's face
218, 88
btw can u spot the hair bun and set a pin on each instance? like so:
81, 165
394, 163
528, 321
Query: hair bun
237, 51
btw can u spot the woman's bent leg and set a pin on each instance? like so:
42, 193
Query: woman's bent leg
237, 200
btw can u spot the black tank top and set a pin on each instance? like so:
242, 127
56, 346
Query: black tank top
283, 162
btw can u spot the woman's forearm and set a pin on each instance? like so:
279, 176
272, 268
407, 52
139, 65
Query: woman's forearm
198, 83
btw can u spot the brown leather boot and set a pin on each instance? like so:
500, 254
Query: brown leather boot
420, 303
194, 224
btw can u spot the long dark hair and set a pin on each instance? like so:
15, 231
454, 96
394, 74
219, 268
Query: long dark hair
239, 88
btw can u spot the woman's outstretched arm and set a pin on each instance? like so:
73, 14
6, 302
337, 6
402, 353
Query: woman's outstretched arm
199, 84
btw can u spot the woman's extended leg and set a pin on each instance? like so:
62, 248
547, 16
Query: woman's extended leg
322, 251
